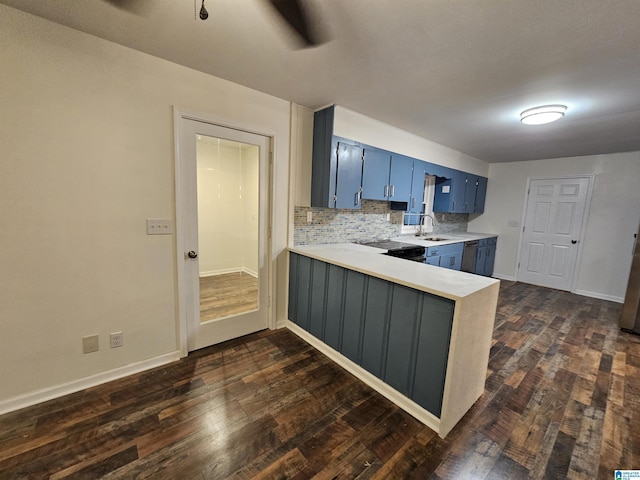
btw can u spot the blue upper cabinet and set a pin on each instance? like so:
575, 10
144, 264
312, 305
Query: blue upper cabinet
481, 194
459, 192
375, 174
475, 193
443, 197
463, 193
348, 175
336, 176
345, 171
323, 168
386, 176
400, 177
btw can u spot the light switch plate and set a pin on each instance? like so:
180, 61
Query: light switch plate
159, 226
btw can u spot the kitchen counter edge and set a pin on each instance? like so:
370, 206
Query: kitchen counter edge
451, 238
443, 282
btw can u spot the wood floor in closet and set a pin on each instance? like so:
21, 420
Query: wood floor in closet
562, 400
227, 294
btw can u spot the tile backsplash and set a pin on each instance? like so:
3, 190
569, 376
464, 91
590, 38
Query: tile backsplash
332, 225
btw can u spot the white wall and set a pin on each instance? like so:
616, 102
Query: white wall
86, 155
354, 126
613, 217
227, 208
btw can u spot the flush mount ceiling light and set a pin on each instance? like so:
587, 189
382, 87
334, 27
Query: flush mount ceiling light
544, 114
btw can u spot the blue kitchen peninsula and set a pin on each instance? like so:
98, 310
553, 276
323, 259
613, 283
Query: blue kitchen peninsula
420, 335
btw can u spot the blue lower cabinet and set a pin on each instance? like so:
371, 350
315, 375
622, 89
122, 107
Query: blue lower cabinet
451, 256
447, 256
336, 281
353, 315
433, 260
303, 285
376, 326
433, 342
399, 334
403, 317
485, 256
318, 302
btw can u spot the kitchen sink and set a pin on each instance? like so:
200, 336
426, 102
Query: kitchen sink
436, 239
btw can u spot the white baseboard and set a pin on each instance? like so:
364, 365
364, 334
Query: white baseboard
372, 381
504, 277
249, 272
50, 393
212, 273
600, 296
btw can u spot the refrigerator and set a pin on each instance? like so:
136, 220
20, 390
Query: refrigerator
630, 317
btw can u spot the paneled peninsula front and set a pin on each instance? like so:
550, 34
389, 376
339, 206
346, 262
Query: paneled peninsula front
419, 335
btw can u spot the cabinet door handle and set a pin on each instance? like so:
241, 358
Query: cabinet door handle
413, 202
393, 190
386, 191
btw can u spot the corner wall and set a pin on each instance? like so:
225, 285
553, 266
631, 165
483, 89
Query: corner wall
613, 216
86, 155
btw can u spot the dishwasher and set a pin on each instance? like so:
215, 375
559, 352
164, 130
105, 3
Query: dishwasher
469, 256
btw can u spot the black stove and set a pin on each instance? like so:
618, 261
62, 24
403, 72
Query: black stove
403, 250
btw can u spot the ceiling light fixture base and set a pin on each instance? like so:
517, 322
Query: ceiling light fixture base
543, 114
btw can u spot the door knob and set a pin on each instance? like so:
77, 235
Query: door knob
574, 241
192, 254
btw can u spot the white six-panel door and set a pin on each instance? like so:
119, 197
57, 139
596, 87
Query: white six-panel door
553, 224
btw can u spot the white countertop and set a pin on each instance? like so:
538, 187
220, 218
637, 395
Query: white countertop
450, 238
443, 282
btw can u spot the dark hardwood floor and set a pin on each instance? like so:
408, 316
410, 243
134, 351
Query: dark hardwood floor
562, 400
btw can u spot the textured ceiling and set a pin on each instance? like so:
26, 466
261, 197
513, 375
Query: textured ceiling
457, 72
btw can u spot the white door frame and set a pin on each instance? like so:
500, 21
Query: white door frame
178, 115
583, 228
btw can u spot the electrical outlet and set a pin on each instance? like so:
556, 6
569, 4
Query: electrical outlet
90, 344
116, 339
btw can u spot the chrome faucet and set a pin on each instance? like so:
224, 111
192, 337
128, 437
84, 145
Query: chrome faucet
419, 231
